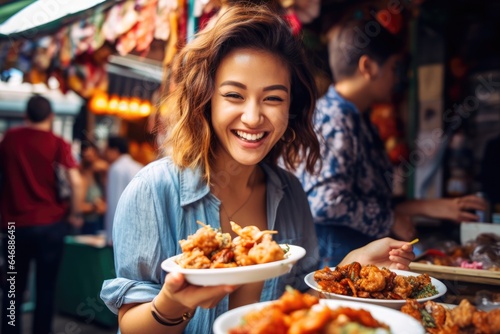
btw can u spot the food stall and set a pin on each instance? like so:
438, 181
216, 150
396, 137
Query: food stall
469, 268
113, 57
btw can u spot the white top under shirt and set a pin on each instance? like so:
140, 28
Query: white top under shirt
120, 173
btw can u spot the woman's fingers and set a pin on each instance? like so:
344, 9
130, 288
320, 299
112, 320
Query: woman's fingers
192, 296
400, 266
174, 282
400, 262
401, 254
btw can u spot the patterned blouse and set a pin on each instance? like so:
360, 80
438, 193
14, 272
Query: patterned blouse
354, 186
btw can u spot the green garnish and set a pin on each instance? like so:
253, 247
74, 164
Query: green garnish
427, 319
426, 291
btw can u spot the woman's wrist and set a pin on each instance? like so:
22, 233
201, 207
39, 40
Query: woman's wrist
161, 319
168, 312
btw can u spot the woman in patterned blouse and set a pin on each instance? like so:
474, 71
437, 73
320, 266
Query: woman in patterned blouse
351, 197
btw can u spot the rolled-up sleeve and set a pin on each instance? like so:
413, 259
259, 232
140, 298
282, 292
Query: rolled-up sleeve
137, 249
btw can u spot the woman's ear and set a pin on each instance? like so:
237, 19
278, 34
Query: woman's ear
368, 67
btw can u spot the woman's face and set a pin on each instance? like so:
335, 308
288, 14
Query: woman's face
250, 104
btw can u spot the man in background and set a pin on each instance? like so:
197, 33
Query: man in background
121, 171
34, 220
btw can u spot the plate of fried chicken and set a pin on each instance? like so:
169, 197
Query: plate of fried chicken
210, 257
296, 312
371, 284
440, 318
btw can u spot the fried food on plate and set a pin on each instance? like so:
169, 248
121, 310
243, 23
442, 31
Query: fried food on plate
210, 248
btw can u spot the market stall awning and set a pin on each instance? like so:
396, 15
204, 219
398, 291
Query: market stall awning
10, 8
30, 18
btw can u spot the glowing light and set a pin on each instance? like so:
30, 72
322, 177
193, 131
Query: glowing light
134, 106
123, 106
113, 104
99, 103
145, 109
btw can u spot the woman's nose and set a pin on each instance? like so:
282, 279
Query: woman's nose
252, 115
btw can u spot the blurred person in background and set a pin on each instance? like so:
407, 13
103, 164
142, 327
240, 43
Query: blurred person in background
34, 220
93, 170
121, 170
351, 198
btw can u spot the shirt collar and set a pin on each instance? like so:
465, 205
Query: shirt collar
193, 187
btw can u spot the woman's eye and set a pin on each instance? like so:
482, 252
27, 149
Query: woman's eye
274, 98
232, 95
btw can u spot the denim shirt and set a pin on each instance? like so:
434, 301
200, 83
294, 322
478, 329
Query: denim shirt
353, 188
161, 205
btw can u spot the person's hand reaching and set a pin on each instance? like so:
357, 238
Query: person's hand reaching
459, 209
385, 252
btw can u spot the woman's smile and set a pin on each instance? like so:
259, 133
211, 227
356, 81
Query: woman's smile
249, 137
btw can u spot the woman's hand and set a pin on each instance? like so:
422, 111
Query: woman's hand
175, 298
385, 252
184, 297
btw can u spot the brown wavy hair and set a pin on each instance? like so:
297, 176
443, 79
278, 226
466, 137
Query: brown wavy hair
191, 140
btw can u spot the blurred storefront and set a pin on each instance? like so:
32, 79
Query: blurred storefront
102, 64
113, 55
13, 97
81, 56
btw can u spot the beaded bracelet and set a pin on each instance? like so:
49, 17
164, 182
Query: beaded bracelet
168, 322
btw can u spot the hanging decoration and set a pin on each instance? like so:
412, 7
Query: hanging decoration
388, 124
77, 53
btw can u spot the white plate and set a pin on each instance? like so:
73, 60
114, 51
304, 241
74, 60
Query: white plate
237, 275
395, 304
399, 322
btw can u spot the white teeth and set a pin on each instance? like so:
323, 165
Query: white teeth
250, 136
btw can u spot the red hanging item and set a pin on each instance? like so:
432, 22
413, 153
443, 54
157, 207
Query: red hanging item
294, 21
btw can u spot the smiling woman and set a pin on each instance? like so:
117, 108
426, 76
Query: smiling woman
228, 111
230, 120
